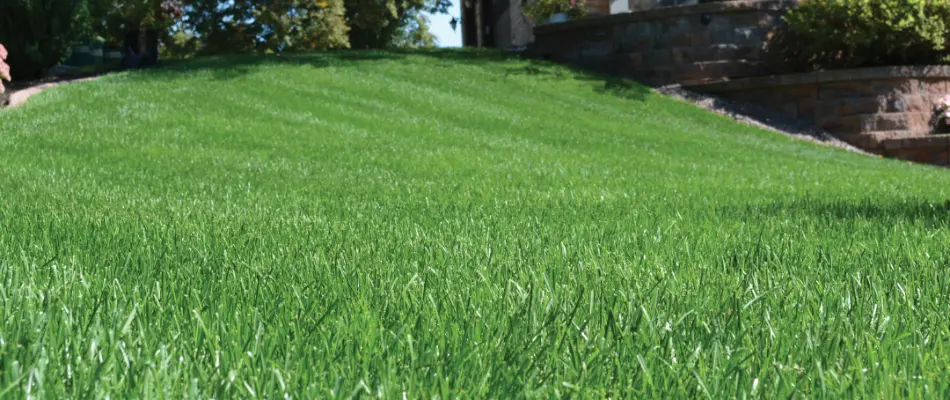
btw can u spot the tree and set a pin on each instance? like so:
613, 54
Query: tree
479, 24
416, 34
303, 25
134, 15
224, 27
39, 33
381, 23
245, 26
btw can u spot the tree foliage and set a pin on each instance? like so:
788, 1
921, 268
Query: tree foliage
416, 34
244, 26
111, 19
224, 27
39, 33
302, 25
385, 23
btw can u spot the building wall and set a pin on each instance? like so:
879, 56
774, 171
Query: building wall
624, 6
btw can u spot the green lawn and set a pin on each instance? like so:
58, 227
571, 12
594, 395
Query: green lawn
451, 225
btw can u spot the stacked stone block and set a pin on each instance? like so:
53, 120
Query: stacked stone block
875, 109
691, 44
718, 47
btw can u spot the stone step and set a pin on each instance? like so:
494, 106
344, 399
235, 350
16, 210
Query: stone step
929, 149
916, 142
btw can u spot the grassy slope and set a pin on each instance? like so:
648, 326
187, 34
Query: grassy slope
455, 225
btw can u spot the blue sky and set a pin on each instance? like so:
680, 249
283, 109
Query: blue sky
442, 30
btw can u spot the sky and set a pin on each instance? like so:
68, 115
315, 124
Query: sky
443, 31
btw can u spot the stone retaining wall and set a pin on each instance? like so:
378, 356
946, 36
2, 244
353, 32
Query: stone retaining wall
687, 44
875, 109
717, 47
932, 149
639, 5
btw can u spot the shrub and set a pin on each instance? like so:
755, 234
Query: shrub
830, 34
4, 68
38, 33
542, 10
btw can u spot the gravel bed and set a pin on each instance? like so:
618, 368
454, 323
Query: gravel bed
758, 116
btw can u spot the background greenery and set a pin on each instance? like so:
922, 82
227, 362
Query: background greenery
837, 34
39, 33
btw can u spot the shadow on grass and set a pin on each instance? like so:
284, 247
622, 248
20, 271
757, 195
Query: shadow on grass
623, 88
904, 210
235, 66
617, 86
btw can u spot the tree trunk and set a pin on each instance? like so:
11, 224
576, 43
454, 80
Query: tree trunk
133, 44
151, 48
479, 24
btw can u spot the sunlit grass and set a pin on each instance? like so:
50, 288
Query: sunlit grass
451, 224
